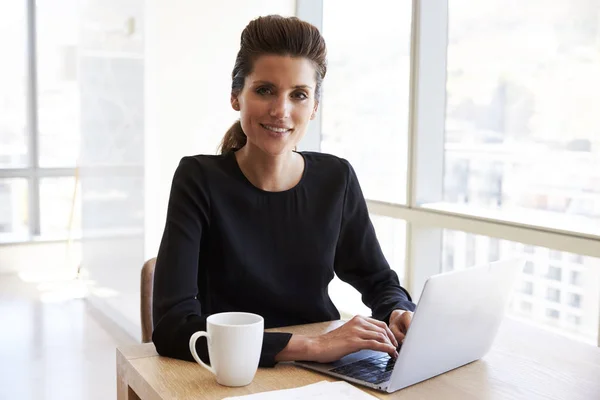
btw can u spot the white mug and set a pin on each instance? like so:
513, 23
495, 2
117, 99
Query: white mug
234, 346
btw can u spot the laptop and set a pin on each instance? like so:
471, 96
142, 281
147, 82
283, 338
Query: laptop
454, 324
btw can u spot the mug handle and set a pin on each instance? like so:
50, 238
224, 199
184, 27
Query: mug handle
193, 339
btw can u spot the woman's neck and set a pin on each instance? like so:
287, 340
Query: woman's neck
270, 173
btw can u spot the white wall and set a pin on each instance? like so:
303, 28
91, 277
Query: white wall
190, 49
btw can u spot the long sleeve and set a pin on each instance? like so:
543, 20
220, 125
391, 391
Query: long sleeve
359, 260
176, 305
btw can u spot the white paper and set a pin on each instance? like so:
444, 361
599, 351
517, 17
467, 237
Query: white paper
317, 391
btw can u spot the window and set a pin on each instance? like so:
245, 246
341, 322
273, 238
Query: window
57, 28
513, 149
575, 278
59, 205
527, 287
13, 208
576, 258
528, 249
526, 306
14, 152
38, 145
449, 258
494, 254
365, 98
553, 295
528, 268
554, 273
555, 255
574, 319
391, 234
575, 300
494, 164
448, 253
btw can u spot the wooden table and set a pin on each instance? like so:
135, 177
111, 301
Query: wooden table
524, 363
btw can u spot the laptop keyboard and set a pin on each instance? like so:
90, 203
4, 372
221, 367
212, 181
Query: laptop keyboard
374, 370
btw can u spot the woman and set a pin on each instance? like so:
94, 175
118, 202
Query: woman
262, 228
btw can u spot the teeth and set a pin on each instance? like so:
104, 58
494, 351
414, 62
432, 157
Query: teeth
278, 130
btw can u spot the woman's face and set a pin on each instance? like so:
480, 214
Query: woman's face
276, 103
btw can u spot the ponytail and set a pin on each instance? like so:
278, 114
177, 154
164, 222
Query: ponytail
234, 138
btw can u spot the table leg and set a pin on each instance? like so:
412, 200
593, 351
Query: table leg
124, 391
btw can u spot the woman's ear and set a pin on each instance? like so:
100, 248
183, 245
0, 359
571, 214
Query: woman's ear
235, 104
315, 109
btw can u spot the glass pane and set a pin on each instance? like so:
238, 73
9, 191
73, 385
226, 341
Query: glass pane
559, 293
14, 210
113, 202
391, 233
57, 207
366, 92
13, 84
58, 90
522, 128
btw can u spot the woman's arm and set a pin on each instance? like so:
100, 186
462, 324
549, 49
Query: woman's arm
359, 260
176, 310
360, 333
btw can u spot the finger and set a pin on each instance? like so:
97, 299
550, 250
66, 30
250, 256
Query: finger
378, 346
358, 320
404, 322
397, 332
374, 335
406, 319
385, 332
382, 325
401, 337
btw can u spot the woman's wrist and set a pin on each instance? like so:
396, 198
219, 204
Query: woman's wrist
299, 348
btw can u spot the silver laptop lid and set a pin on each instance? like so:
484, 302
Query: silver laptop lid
456, 321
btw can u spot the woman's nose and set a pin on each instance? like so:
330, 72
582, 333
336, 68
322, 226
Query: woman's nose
280, 107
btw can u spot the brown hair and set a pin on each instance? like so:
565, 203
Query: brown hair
278, 35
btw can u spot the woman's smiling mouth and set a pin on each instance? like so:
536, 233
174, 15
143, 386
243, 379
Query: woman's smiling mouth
276, 130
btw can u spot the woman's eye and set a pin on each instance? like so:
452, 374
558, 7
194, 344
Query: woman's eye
263, 90
301, 96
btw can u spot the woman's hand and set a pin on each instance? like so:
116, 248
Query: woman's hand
359, 333
399, 323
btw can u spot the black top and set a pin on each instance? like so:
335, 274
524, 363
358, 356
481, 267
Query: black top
230, 246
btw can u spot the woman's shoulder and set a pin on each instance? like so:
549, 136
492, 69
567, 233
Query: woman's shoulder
330, 163
327, 160
202, 168
205, 162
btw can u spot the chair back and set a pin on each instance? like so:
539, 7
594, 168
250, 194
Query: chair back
146, 288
